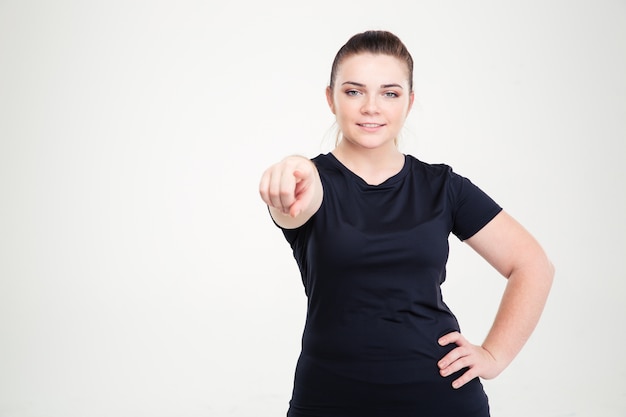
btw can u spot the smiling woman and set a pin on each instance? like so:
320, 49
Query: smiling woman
369, 230
372, 100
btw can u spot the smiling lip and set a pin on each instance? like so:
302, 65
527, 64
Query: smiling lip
370, 127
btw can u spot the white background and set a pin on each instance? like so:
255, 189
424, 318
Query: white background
140, 274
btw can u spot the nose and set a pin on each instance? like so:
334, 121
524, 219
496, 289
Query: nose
370, 105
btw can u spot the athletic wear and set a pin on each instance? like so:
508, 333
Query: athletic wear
372, 260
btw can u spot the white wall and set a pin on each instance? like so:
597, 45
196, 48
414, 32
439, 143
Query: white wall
140, 274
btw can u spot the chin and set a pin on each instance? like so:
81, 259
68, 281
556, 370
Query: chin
371, 143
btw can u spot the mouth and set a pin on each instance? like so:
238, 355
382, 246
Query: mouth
370, 125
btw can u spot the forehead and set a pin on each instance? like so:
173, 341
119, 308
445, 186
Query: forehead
375, 68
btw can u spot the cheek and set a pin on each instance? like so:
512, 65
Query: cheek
402, 111
342, 109
346, 107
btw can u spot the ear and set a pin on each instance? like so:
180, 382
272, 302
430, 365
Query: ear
411, 100
329, 99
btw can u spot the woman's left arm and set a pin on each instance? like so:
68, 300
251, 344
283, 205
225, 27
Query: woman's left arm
511, 250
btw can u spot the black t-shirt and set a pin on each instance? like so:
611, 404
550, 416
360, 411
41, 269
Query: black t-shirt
372, 260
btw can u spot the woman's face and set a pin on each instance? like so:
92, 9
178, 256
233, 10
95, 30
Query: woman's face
371, 99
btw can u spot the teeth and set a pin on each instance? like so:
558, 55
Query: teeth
370, 124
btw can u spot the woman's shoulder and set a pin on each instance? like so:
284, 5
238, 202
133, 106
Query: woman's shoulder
321, 159
325, 164
427, 168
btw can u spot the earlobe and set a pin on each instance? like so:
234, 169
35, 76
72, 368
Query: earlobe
329, 99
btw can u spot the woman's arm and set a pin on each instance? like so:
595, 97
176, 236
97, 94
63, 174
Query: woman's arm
292, 189
513, 252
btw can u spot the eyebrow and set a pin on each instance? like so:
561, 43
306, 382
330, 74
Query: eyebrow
363, 85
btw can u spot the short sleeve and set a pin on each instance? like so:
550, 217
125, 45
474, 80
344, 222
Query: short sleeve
472, 208
291, 235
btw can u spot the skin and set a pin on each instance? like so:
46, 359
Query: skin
371, 100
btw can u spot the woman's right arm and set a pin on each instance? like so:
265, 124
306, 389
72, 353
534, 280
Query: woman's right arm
292, 190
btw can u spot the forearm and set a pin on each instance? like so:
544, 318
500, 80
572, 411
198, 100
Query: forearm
522, 303
513, 252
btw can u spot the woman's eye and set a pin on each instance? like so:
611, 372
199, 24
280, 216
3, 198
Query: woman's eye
352, 93
391, 94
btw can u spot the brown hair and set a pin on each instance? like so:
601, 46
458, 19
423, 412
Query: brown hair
374, 42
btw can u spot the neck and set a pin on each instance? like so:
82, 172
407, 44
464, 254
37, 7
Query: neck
373, 165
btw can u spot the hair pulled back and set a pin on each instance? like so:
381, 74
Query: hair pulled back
376, 42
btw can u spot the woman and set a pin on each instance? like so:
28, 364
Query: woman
369, 230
